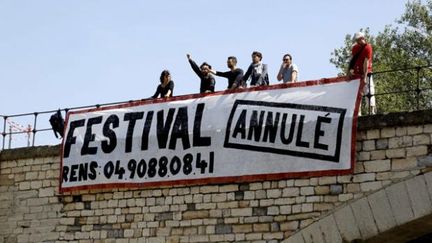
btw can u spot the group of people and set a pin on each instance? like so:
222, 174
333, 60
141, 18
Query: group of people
257, 72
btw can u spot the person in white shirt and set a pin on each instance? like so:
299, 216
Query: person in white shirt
288, 71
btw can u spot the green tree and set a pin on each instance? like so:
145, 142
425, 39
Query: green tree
403, 45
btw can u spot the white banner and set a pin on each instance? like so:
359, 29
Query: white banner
274, 132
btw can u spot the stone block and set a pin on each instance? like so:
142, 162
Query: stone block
382, 143
395, 153
346, 224
241, 212
364, 177
223, 229
417, 151
209, 189
412, 130
327, 180
373, 134
370, 186
312, 234
427, 128
329, 230
242, 228
403, 164
388, 132
336, 189
364, 218
274, 193
46, 192
306, 207
421, 139
302, 182
219, 197
322, 190
418, 193
378, 155
369, 145
308, 190
395, 142
195, 214
353, 188
274, 210
363, 156
425, 161
290, 192
400, 202
401, 131
381, 210
285, 209
261, 227
428, 179
377, 165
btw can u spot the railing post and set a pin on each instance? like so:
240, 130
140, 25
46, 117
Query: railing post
34, 128
418, 87
369, 95
4, 131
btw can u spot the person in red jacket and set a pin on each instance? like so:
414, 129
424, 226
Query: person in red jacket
361, 64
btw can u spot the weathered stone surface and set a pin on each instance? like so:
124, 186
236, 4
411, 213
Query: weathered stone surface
346, 224
418, 193
400, 202
364, 218
381, 211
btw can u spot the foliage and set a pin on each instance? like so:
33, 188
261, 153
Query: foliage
405, 45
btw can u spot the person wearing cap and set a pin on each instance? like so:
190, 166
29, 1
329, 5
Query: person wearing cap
361, 65
288, 71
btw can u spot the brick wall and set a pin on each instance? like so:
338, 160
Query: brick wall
390, 148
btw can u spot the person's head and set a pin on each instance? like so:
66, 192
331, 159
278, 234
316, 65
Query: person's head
256, 57
205, 68
231, 62
287, 59
359, 38
165, 76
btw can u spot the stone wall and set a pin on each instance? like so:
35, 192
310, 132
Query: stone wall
390, 148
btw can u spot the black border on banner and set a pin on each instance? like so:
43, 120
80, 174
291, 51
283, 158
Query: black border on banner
330, 158
229, 179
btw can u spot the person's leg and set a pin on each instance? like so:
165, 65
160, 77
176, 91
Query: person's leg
372, 93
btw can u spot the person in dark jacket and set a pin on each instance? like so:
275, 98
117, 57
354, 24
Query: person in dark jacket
207, 80
257, 71
234, 76
166, 87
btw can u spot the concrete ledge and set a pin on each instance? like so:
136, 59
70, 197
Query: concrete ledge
30, 152
395, 119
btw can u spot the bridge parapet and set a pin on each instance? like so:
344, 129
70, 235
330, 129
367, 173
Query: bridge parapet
390, 149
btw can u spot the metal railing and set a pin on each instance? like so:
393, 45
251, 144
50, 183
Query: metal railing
31, 131
415, 94
405, 89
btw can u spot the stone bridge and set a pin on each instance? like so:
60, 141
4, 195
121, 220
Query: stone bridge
386, 199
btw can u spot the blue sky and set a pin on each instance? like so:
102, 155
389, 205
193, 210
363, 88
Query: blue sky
56, 54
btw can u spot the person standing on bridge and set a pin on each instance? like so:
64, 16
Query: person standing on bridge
207, 80
257, 71
234, 76
166, 87
288, 71
361, 65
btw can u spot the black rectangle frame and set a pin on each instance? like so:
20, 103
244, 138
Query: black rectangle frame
334, 158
